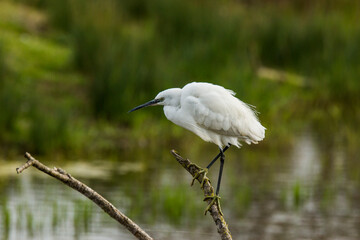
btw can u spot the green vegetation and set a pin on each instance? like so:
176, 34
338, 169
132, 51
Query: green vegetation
5, 217
70, 70
172, 204
82, 216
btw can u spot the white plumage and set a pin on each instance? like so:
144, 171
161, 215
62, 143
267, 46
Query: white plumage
211, 112
214, 114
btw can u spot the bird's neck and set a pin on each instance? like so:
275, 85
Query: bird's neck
171, 113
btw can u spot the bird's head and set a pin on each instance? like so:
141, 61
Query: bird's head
169, 97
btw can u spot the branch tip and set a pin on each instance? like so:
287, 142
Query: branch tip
28, 156
175, 153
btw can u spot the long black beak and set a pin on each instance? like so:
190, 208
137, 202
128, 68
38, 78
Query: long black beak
150, 103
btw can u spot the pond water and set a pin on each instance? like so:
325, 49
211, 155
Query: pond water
309, 190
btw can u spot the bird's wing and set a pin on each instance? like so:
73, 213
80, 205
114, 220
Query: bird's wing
216, 109
215, 112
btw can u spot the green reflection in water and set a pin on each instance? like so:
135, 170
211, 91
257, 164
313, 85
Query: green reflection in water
82, 217
313, 182
5, 219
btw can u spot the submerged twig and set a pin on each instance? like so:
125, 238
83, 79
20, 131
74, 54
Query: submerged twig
72, 182
215, 212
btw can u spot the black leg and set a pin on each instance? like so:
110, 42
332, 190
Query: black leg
205, 170
222, 161
215, 199
217, 156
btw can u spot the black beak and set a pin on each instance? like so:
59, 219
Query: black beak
150, 103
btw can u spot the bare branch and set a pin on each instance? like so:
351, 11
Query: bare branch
218, 218
72, 182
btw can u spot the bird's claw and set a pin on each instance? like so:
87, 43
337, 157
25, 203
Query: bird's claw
203, 171
215, 199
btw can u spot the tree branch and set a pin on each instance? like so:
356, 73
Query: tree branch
72, 182
218, 218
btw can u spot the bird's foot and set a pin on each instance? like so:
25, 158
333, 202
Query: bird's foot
203, 171
215, 199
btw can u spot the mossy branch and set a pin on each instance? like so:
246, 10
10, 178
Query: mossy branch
113, 212
99, 200
218, 218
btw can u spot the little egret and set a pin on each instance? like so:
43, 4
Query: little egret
215, 115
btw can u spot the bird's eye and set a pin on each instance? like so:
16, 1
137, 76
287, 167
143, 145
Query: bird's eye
158, 100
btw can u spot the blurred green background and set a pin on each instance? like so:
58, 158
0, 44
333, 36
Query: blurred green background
71, 69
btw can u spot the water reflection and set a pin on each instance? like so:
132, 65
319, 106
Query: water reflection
309, 192
305, 160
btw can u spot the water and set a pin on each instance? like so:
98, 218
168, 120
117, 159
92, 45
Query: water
309, 190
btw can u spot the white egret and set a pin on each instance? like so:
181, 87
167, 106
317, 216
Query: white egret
215, 115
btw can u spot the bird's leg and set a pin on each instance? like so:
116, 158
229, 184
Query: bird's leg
217, 156
216, 198
206, 170
222, 161
201, 171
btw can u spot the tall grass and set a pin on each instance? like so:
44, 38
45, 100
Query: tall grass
34, 112
321, 45
9, 100
130, 50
